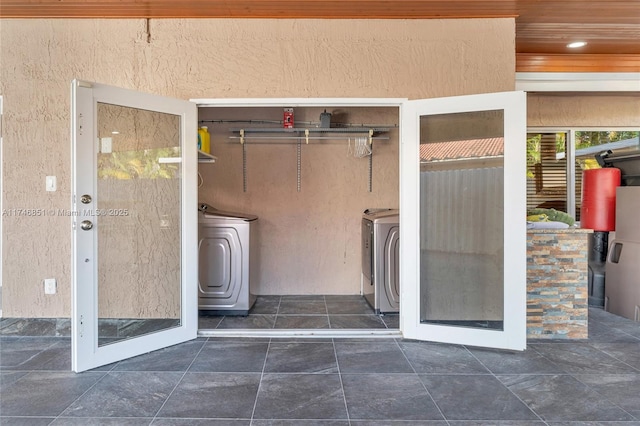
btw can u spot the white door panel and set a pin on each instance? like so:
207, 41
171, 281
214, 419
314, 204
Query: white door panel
463, 227
134, 223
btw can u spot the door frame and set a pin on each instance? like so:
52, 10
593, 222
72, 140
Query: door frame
86, 353
405, 148
304, 103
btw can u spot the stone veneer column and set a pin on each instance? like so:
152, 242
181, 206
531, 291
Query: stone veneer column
557, 284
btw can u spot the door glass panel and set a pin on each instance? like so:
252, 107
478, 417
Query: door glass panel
462, 219
138, 222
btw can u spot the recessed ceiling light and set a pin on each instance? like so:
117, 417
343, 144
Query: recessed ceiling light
576, 44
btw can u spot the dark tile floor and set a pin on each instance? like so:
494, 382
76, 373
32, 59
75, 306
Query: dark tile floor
308, 312
337, 382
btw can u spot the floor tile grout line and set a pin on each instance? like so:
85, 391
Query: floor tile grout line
344, 394
106, 373
505, 386
275, 321
619, 360
604, 396
329, 325
421, 382
179, 380
614, 357
579, 344
50, 346
264, 366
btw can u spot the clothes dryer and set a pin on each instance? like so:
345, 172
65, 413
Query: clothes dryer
227, 250
380, 259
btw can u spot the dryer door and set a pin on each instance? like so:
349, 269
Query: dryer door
220, 267
392, 269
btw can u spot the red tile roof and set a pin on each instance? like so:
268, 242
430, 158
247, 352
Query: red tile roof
473, 148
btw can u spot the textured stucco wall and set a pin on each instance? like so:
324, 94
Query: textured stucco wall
587, 110
195, 59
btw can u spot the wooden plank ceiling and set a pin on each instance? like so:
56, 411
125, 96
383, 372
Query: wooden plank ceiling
543, 28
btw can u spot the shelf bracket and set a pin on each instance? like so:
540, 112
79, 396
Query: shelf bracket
242, 136
299, 165
306, 135
370, 136
244, 168
371, 170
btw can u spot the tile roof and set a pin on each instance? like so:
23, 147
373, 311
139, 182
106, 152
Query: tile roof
472, 148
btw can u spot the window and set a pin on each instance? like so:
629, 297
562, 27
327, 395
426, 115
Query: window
557, 157
547, 170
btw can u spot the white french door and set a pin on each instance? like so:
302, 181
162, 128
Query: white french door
134, 223
462, 215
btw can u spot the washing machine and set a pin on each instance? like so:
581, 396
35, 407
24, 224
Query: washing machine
380, 259
227, 259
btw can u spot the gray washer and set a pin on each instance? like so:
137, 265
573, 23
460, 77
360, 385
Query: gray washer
227, 257
380, 259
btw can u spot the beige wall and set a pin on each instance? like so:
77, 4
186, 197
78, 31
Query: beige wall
309, 240
206, 58
587, 110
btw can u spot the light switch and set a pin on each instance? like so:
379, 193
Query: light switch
107, 145
51, 183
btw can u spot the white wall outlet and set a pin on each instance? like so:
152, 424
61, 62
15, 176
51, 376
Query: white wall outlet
51, 183
50, 286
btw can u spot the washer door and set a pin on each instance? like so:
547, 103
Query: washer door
392, 267
220, 277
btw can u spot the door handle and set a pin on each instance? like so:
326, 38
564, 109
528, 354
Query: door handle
85, 199
86, 225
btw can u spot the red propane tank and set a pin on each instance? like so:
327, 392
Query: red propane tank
598, 211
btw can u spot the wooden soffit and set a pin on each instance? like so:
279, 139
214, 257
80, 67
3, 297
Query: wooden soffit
543, 28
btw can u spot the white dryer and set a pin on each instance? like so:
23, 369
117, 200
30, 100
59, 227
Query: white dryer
380, 259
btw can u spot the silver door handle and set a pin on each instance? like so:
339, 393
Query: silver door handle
85, 199
86, 225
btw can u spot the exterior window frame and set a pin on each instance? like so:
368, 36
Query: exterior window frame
570, 131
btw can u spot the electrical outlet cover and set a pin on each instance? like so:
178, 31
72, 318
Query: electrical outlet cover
50, 286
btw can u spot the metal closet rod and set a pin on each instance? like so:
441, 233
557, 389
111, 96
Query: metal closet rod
306, 133
275, 139
313, 123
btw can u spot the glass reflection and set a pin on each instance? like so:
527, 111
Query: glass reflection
461, 219
137, 222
